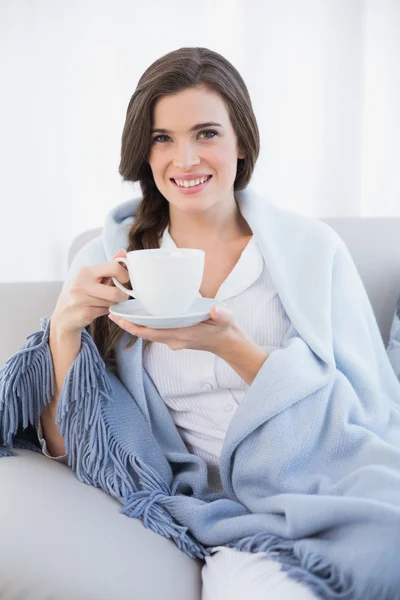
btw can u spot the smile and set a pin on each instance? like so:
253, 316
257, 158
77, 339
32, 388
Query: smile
191, 182
191, 187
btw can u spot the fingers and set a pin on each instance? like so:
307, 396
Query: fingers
93, 282
107, 269
105, 294
102, 273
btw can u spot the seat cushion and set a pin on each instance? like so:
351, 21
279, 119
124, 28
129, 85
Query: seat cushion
62, 539
393, 348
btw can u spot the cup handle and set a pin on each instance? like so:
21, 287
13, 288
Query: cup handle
117, 283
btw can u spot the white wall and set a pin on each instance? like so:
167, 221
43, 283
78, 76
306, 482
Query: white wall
323, 76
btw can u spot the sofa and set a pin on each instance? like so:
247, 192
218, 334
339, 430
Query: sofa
65, 540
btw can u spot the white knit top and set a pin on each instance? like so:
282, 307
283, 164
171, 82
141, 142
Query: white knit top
200, 389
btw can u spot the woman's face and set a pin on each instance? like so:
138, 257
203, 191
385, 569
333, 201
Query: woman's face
181, 150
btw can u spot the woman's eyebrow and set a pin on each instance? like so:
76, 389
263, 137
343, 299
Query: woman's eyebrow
194, 128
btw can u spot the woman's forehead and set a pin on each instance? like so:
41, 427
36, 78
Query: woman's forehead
185, 109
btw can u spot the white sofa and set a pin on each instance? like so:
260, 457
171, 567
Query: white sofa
62, 539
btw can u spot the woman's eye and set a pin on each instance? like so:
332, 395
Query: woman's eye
157, 138
214, 133
210, 134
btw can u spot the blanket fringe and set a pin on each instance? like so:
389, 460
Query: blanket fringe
147, 504
27, 375
101, 462
27, 385
92, 452
324, 579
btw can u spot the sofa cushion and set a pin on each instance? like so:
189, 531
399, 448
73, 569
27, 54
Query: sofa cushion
22, 304
66, 540
393, 348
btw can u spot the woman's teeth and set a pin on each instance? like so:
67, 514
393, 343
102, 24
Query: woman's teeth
192, 182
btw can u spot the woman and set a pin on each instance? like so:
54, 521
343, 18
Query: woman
286, 394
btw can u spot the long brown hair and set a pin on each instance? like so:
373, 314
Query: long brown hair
176, 71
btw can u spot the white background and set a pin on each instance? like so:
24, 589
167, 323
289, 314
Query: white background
323, 75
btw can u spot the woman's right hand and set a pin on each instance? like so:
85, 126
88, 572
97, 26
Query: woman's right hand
89, 295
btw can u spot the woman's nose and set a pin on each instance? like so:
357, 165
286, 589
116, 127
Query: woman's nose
185, 157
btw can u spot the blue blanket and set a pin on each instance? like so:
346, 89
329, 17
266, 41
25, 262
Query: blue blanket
393, 348
310, 464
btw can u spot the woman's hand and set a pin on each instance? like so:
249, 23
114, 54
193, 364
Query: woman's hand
219, 335
211, 335
89, 295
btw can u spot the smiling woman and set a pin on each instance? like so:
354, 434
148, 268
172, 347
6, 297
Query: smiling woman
191, 118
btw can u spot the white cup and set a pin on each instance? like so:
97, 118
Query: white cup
166, 282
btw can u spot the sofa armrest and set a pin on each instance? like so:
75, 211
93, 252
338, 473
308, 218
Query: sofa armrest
22, 304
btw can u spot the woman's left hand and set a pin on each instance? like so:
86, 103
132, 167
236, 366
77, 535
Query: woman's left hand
211, 335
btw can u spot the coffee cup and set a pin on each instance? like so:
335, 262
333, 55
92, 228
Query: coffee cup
166, 282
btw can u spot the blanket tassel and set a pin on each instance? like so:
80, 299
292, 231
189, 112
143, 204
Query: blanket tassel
146, 504
27, 385
27, 375
324, 579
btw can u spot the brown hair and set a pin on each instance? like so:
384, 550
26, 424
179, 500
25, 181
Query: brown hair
176, 71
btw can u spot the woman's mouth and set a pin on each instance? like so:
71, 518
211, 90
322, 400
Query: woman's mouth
189, 187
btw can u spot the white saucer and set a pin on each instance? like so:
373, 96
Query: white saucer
133, 311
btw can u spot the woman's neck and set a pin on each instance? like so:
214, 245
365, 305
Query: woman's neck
194, 231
